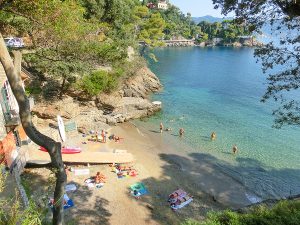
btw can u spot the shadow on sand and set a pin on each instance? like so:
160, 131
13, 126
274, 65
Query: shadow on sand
86, 210
215, 185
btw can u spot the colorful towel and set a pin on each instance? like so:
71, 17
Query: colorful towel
182, 204
176, 194
179, 199
79, 172
70, 187
68, 203
140, 188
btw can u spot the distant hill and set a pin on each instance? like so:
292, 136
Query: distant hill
210, 19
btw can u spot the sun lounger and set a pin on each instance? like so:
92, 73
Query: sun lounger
182, 203
79, 172
68, 203
70, 187
179, 199
119, 151
176, 194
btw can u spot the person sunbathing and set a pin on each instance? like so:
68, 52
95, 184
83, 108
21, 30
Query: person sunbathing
99, 178
132, 173
136, 194
173, 197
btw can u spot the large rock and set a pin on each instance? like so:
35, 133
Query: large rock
108, 102
45, 112
129, 102
142, 84
237, 44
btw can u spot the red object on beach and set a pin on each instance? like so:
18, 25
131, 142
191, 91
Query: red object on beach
65, 150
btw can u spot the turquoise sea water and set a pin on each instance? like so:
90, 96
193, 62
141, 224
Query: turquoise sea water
219, 89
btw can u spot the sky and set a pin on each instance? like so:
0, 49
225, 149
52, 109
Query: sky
197, 7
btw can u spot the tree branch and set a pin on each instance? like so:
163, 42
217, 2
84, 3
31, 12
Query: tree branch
54, 148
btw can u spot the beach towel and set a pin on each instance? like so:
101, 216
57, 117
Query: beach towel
90, 185
79, 172
179, 199
253, 198
182, 204
140, 188
176, 194
70, 187
68, 203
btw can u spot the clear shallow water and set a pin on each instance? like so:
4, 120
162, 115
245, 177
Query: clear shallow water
219, 89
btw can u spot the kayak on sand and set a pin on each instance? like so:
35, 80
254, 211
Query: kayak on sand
65, 150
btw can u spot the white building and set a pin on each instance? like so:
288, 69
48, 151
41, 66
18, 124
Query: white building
162, 5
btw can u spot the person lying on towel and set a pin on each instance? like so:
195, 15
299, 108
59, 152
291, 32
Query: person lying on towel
100, 179
136, 194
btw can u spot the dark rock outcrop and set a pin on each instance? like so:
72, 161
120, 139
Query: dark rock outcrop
129, 102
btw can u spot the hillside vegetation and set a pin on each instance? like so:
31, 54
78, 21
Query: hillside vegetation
70, 40
284, 213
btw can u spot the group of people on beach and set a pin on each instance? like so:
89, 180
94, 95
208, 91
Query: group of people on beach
103, 136
213, 136
161, 127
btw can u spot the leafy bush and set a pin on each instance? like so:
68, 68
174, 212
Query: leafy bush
32, 90
99, 81
190, 222
284, 213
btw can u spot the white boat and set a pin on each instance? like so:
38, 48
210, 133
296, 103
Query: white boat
156, 103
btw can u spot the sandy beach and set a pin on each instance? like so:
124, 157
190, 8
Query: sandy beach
162, 169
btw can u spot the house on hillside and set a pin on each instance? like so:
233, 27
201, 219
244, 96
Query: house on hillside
12, 134
151, 5
246, 40
162, 5
217, 41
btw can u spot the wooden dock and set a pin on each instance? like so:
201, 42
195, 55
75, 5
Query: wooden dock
39, 157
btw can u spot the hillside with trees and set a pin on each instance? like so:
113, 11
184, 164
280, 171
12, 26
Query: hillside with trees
69, 39
228, 30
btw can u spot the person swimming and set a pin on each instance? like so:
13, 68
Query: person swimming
181, 132
234, 149
213, 136
161, 127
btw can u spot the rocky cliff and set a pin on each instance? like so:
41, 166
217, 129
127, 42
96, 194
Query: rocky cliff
130, 101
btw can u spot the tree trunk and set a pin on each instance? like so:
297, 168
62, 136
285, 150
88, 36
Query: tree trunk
13, 71
62, 87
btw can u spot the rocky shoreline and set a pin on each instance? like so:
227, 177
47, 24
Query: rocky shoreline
130, 101
192, 43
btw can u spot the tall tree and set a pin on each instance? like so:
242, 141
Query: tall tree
13, 73
280, 58
61, 38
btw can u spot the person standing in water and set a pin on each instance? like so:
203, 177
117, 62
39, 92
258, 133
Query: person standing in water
161, 127
213, 136
234, 149
181, 132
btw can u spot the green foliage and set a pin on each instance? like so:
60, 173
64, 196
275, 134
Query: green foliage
284, 213
3, 177
32, 90
229, 30
12, 212
190, 222
281, 53
178, 24
26, 185
98, 81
